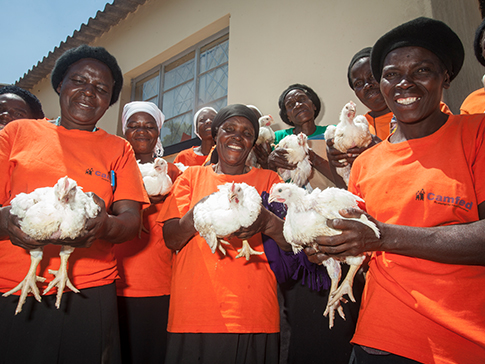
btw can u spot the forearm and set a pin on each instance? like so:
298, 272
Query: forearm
122, 227
321, 165
177, 232
452, 244
274, 229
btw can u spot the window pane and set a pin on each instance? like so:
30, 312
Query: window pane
179, 71
179, 100
176, 130
213, 85
214, 56
147, 88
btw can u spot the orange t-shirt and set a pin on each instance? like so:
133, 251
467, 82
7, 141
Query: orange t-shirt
189, 158
380, 126
474, 103
413, 307
213, 293
36, 153
145, 263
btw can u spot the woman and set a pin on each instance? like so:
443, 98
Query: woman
416, 306
367, 90
88, 80
299, 106
197, 156
144, 263
222, 309
17, 103
475, 102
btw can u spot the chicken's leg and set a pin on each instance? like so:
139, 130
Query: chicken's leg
334, 272
29, 283
61, 279
346, 286
246, 250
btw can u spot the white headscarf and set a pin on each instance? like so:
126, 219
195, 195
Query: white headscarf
196, 131
151, 109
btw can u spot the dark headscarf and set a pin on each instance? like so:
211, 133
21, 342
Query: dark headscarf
476, 43
228, 112
363, 53
312, 95
431, 34
84, 51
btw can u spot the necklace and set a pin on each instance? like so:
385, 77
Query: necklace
58, 123
217, 169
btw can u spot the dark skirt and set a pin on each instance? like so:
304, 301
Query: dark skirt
83, 330
222, 348
310, 339
143, 329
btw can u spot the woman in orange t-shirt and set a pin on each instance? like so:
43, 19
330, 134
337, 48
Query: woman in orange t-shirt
144, 263
36, 154
197, 156
222, 308
430, 172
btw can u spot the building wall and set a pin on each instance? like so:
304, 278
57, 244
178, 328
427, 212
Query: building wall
274, 43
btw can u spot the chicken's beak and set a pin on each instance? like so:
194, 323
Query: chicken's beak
233, 195
271, 199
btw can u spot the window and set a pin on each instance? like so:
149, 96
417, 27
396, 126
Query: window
183, 85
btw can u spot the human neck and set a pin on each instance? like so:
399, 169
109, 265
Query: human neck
222, 168
307, 128
144, 157
206, 146
376, 114
418, 130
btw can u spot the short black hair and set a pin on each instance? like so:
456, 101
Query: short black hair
30, 99
84, 51
312, 95
477, 47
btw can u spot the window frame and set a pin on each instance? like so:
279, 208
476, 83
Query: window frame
160, 70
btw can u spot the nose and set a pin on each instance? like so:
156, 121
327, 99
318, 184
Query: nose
404, 82
88, 89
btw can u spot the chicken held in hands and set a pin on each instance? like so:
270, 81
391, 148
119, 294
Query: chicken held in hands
306, 219
51, 213
351, 131
296, 147
224, 212
155, 177
265, 135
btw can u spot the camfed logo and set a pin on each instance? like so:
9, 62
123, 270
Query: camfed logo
456, 201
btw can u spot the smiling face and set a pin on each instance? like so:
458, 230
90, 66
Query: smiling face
412, 82
235, 139
85, 94
366, 88
299, 108
13, 107
142, 132
204, 123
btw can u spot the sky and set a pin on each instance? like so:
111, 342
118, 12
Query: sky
32, 28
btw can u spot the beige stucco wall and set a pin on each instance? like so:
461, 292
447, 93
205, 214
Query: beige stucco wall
274, 43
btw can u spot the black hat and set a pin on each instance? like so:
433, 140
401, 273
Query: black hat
230, 111
84, 51
363, 53
431, 34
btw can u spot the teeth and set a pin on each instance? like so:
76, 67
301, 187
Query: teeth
235, 147
407, 101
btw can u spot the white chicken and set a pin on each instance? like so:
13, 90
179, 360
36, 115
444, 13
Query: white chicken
58, 212
182, 167
155, 177
224, 212
352, 131
297, 149
306, 219
266, 134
